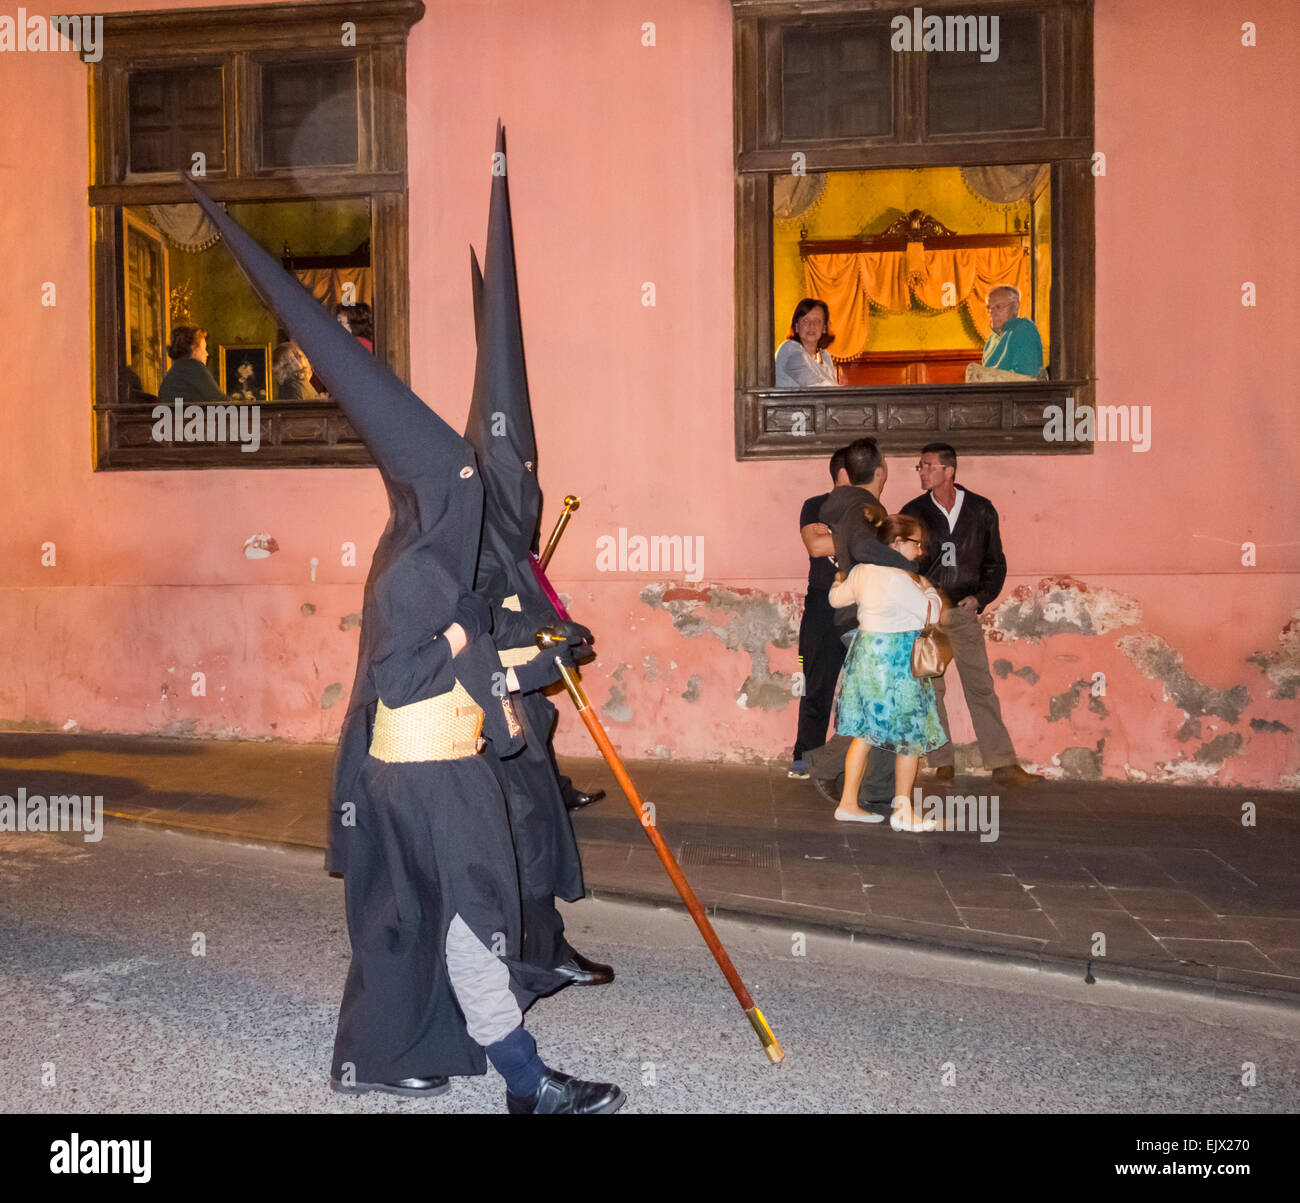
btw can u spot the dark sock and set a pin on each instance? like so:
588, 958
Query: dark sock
515, 1059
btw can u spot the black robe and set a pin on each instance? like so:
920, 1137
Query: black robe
417, 843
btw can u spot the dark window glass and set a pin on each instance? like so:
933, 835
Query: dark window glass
837, 83
970, 96
309, 114
174, 114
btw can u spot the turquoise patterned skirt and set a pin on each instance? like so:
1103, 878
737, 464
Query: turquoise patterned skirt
878, 699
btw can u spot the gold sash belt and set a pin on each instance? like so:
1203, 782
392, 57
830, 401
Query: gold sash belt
448, 727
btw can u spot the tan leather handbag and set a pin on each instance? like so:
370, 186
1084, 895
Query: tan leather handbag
932, 651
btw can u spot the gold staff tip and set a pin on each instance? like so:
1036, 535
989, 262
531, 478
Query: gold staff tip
775, 1053
571, 502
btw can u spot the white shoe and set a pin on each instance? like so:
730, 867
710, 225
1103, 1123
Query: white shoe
919, 825
847, 816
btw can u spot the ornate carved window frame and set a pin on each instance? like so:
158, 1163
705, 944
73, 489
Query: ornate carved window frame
977, 419
240, 39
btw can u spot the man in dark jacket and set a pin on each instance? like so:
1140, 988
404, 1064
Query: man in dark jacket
966, 565
855, 542
821, 651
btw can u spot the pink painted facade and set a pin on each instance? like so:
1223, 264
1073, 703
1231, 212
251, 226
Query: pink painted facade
1124, 564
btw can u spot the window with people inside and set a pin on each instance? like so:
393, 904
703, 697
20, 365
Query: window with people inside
912, 276
195, 331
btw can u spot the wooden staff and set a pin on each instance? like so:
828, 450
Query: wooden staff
548, 639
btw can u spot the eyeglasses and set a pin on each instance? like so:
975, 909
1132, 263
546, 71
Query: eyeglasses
922, 467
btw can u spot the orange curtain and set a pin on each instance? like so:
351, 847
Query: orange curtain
326, 284
851, 283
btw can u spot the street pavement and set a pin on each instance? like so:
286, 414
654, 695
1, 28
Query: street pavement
108, 1009
1176, 886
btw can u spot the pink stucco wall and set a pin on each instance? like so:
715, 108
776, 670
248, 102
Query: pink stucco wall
621, 173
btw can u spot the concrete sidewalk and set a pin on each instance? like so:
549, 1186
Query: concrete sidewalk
1173, 881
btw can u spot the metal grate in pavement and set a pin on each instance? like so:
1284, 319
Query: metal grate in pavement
735, 855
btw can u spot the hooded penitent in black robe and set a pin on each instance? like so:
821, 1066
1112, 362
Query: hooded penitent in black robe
500, 427
417, 843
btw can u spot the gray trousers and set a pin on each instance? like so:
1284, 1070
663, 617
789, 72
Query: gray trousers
971, 659
827, 763
481, 983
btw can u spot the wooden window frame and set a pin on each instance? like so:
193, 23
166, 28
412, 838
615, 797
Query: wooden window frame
979, 419
240, 38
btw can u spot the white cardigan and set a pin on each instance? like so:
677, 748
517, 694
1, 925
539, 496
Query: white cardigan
887, 599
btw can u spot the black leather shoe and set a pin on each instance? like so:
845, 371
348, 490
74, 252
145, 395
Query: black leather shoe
408, 1088
582, 972
576, 801
560, 1094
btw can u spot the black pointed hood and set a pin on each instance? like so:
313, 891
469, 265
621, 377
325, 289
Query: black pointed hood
500, 424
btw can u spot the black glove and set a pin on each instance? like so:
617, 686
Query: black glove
541, 672
574, 633
474, 615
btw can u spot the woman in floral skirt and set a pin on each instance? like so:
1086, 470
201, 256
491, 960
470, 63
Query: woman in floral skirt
878, 701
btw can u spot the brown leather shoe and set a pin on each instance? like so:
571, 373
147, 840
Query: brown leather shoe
944, 772
1013, 774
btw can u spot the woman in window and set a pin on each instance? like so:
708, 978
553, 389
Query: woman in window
803, 361
292, 374
358, 320
878, 702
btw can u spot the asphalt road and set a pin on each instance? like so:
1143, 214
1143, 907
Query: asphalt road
107, 1009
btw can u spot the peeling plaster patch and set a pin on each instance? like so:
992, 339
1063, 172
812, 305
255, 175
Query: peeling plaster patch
1157, 660
348, 621
651, 665
259, 546
616, 709
1184, 772
180, 728
661, 752
27, 724
771, 694
1263, 724
1063, 704
756, 620
617, 674
1002, 668
71, 725
307, 609
1219, 748
1060, 606
692, 691
1191, 729
1026, 673
331, 694
1283, 667
1082, 764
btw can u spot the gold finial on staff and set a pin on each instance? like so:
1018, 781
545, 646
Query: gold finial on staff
571, 504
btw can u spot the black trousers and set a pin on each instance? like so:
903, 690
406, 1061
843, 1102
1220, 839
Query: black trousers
822, 652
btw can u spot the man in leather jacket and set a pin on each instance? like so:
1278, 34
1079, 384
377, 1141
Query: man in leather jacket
966, 565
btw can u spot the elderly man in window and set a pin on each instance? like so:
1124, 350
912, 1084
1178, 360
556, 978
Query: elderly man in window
1014, 351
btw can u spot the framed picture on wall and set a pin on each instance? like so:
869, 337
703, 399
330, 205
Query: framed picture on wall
245, 370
